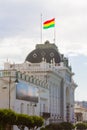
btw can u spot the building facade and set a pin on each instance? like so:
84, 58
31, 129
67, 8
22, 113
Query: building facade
80, 111
23, 94
46, 64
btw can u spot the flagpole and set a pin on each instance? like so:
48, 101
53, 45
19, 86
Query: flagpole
41, 29
54, 34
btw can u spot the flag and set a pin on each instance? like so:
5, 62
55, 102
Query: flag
49, 23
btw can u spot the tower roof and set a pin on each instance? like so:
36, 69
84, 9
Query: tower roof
47, 51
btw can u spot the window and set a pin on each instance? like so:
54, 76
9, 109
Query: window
22, 108
43, 107
28, 109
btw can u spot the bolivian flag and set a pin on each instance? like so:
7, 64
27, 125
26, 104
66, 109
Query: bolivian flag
49, 23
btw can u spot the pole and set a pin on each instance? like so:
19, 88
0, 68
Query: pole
9, 90
41, 29
39, 102
54, 35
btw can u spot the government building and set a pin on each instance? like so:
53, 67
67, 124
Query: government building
42, 85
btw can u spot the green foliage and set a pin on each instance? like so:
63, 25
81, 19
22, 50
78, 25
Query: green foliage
43, 128
67, 125
29, 121
60, 126
81, 126
9, 117
38, 121
54, 126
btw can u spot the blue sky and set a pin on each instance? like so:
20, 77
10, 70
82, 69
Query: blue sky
79, 66
20, 30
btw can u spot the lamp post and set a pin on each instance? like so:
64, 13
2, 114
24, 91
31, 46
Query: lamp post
9, 88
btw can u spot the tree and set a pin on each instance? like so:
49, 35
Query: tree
7, 117
54, 126
23, 121
67, 125
10, 118
81, 126
38, 121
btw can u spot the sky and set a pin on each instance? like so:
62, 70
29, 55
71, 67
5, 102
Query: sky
21, 26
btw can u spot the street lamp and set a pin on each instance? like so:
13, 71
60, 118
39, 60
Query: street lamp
9, 91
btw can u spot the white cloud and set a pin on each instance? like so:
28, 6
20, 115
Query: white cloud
15, 49
20, 26
74, 48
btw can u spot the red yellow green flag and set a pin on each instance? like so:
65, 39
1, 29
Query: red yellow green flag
49, 23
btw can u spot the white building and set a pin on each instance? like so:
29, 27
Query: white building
80, 110
23, 94
52, 69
